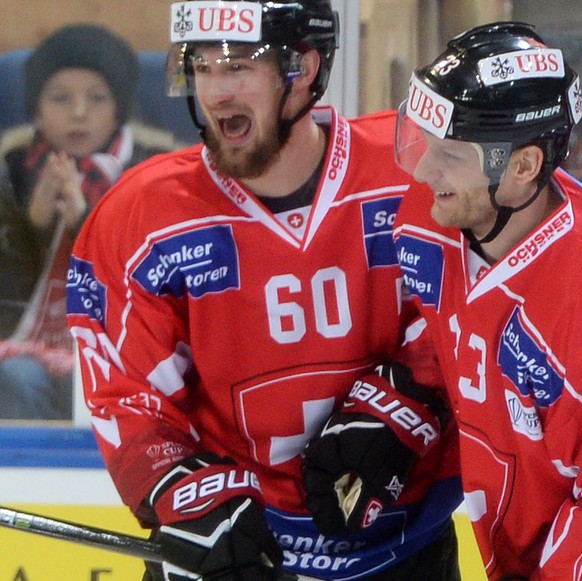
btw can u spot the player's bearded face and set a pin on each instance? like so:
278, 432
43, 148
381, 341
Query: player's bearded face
247, 161
240, 96
453, 170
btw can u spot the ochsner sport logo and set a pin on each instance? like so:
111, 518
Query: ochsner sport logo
428, 109
207, 21
522, 64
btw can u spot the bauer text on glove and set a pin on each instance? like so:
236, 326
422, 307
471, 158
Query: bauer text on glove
210, 514
359, 461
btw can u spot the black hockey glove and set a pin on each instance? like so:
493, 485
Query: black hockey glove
210, 513
358, 463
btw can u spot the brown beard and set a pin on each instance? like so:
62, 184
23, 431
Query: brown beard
253, 164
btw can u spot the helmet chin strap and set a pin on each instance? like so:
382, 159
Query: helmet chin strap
285, 125
503, 214
191, 100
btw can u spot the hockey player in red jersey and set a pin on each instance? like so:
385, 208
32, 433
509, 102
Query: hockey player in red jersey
225, 300
492, 256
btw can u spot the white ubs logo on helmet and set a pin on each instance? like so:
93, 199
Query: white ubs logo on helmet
522, 64
216, 20
428, 109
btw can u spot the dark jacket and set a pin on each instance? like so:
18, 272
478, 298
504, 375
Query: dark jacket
22, 247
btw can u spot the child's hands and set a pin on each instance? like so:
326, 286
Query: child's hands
57, 193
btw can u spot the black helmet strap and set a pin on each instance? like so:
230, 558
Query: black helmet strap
191, 100
503, 213
285, 125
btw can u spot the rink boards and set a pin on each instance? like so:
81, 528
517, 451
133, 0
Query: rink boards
59, 473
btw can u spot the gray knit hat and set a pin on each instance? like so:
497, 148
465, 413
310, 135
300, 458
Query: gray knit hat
86, 46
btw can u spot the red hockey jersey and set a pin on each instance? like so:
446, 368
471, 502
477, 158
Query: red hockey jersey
204, 322
508, 341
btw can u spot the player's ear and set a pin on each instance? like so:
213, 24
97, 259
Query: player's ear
527, 163
309, 66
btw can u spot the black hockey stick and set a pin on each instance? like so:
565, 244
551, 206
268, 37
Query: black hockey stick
81, 534
91, 536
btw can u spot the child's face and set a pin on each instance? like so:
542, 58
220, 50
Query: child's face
77, 112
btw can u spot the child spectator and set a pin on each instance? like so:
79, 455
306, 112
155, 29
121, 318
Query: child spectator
79, 88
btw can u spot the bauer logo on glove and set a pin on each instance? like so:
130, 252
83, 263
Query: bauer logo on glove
210, 524
359, 461
204, 490
408, 417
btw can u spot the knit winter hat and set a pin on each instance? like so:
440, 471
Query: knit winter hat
86, 46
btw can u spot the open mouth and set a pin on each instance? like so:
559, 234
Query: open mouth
443, 194
235, 126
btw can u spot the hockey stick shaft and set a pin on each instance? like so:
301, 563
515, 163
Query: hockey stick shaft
92, 537
82, 534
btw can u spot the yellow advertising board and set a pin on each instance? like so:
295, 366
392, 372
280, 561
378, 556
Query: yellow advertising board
26, 556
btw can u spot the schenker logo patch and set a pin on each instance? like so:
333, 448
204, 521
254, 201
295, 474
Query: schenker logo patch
85, 293
422, 264
526, 364
200, 261
378, 221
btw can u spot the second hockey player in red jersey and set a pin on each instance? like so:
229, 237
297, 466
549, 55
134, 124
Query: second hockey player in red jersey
225, 300
492, 257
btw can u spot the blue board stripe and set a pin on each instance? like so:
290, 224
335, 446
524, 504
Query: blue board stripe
48, 447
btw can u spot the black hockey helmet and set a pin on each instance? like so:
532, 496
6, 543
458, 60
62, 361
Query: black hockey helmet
289, 27
499, 86
303, 26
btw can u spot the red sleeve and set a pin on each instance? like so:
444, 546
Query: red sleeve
129, 341
418, 353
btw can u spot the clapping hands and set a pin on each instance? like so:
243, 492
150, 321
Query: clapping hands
57, 194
